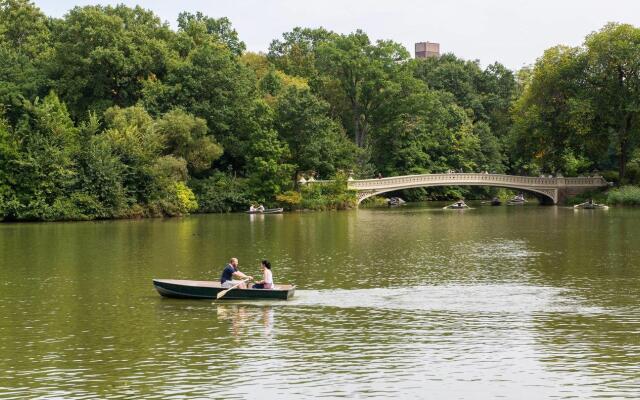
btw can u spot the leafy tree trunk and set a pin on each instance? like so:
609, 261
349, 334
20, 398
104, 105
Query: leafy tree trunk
356, 123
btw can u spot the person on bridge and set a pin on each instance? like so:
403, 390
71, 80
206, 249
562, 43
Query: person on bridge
232, 276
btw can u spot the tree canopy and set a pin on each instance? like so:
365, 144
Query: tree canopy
108, 112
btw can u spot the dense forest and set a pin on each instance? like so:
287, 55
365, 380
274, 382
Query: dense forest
110, 113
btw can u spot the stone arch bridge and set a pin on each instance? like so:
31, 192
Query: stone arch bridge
552, 190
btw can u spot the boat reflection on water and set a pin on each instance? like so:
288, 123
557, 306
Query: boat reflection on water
243, 318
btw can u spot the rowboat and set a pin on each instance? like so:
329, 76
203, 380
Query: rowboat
267, 211
518, 200
590, 206
456, 206
396, 201
185, 289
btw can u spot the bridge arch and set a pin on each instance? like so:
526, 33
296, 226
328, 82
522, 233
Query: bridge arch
552, 197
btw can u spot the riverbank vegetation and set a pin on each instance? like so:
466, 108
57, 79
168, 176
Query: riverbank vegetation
107, 112
625, 195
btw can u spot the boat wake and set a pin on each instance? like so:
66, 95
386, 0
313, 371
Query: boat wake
458, 298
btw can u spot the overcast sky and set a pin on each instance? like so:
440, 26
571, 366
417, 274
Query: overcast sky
513, 32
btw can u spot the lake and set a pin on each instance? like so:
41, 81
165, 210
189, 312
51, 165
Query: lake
526, 302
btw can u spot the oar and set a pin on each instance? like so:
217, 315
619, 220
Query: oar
222, 293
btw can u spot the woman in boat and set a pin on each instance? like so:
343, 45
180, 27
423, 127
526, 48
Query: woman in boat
267, 276
260, 208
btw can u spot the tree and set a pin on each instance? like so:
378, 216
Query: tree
101, 171
23, 27
198, 28
553, 117
187, 137
38, 162
267, 167
130, 133
613, 80
317, 143
485, 94
431, 134
210, 83
8, 158
364, 73
296, 53
104, 54
24, 54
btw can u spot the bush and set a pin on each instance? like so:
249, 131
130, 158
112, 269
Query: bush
374, 201
220, 193
626, 195
610, 176
290, 198
332, 195
186, 198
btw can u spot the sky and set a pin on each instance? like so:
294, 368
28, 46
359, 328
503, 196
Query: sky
512, 32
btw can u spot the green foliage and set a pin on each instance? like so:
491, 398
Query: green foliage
625, 195
187, 136
221, 193
267, 170
430, 134
211, 83
552, 117
359, 78
107, 113
296, 53
38, 157
613, 85
198, 28
176, 199
101, 172
290, 198
328, 196
632, 174
579, 109
24, 55
374, 201
316, 142
596, 196
103, 54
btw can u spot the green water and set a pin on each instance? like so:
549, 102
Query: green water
520, 302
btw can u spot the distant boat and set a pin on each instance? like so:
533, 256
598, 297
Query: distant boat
184, 289
266, 211
589, 205
516, 200
395, 201
458, 205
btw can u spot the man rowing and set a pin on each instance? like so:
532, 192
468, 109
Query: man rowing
231, 276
